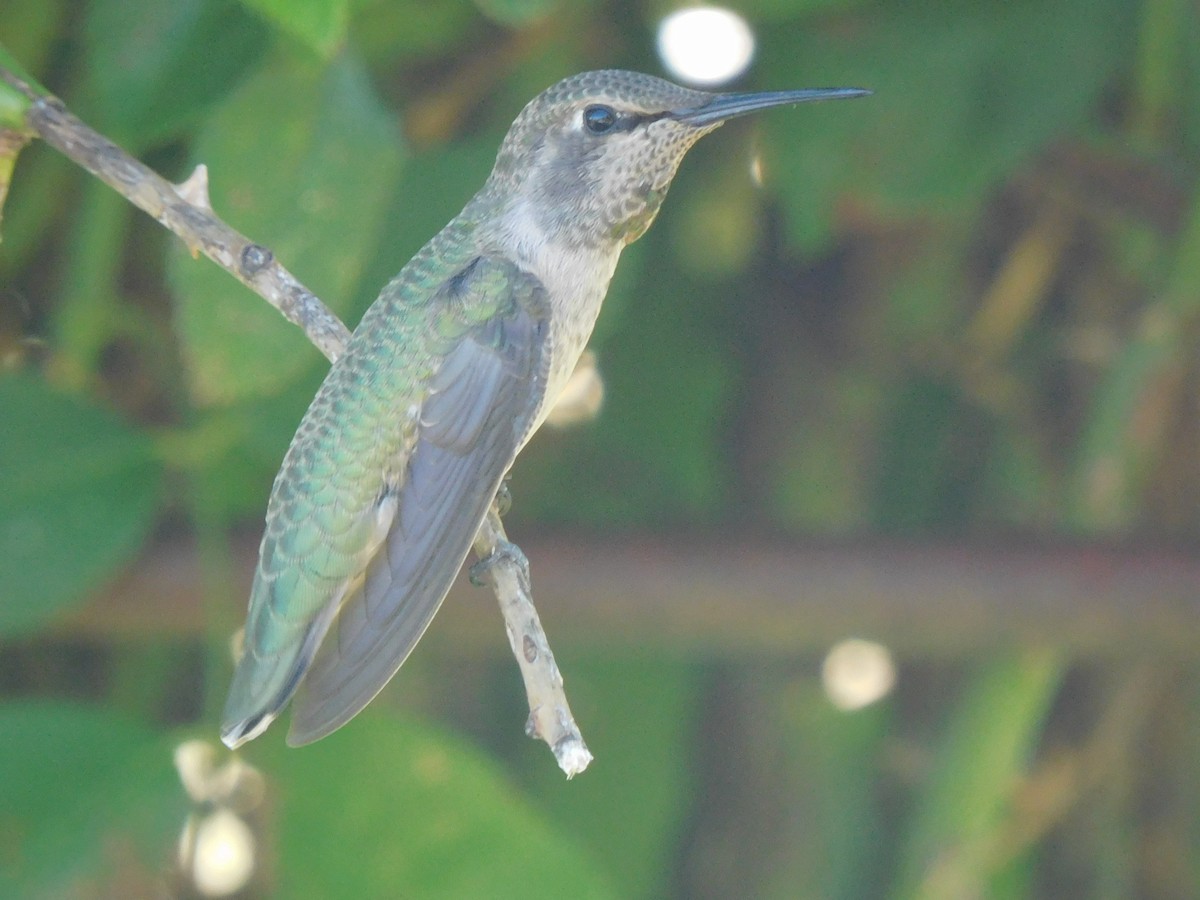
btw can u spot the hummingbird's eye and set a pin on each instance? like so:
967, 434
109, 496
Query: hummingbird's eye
599, 119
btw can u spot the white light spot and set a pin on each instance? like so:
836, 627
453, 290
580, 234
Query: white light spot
856, 673
705, 45
220, 849
756, 170
195, 761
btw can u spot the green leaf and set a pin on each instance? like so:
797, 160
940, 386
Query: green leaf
40, 188
303, 160
77, 498
832, 766
10, 62
964, 92
88, 799
13, 136
31, 30
517, 13
418, 815
954, 846
320, 24
14, 106
154, 68
641, 715
716, 222
382, 30
249, 441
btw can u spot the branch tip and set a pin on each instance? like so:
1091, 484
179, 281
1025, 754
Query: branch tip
573, 756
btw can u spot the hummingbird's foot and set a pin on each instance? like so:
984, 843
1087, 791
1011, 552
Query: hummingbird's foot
503, 499
506, 551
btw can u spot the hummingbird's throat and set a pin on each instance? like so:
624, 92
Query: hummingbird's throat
630, 229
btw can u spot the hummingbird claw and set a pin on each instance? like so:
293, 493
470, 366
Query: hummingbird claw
506, 551
503, 499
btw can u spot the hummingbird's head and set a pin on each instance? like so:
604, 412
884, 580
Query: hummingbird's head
592, 157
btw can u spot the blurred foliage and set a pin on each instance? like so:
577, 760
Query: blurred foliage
967, 305
68, 518
71, 775
345, 152
451, 826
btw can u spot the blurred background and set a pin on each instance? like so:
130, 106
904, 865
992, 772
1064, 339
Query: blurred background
873, 575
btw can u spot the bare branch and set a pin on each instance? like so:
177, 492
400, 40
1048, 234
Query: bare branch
550, 716
185, 210
250, 263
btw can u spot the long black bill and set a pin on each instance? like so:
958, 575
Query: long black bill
727, 106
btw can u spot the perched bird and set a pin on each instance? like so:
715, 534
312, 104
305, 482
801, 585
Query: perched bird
448, 374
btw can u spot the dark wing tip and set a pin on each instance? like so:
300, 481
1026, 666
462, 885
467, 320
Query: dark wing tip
234, 734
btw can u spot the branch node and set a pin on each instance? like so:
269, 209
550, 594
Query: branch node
194, 188
254, 258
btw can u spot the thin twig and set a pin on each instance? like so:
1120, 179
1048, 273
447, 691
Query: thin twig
185, 210
550, 716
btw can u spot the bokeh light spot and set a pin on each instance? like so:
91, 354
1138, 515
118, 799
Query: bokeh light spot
857, 673
221, 853
705, 45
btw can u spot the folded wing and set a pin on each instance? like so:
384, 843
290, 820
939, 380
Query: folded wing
413, 536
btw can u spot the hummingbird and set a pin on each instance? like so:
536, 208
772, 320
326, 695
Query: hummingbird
447, 376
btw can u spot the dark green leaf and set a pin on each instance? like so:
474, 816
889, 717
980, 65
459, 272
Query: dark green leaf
13, 108
832, 766
417, 815
1114, 452
251, 439
641, 714
30, 28
303, 160
77, 497
819, 476
321, 24
88, 800
716, 222
40, 188
382, 30
516, 13
963, 92
154, 67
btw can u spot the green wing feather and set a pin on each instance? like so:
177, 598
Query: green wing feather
379, 497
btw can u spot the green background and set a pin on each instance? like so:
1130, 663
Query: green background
965, 309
